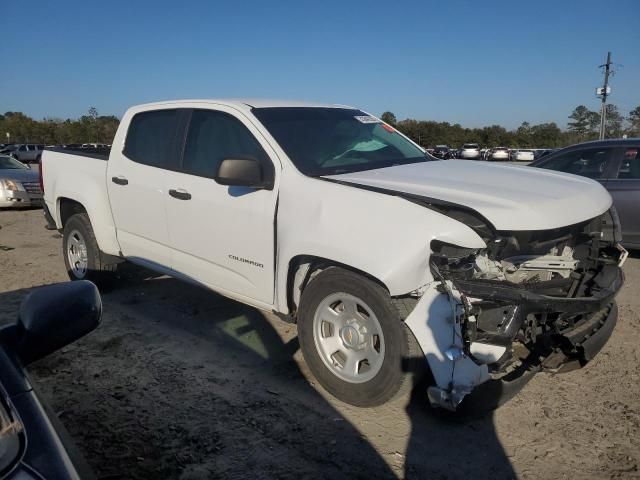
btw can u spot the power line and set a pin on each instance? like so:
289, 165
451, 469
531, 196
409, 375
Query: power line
604, 92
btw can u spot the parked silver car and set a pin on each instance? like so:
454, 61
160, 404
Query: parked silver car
25, 152
19, 185
616, 165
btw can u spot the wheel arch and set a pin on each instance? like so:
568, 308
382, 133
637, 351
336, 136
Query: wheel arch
302, 268
68, 207
99, 217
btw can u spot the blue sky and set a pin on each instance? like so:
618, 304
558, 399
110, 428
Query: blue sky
470, 62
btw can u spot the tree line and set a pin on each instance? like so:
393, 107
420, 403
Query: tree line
584, 125
89, 128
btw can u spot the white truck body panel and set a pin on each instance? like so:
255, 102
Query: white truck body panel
538, 201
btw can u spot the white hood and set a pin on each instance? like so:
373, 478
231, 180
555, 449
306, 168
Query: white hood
511, 197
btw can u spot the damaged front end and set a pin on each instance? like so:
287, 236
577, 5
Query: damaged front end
530, 301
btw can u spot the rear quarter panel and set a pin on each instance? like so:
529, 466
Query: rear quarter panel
82, 179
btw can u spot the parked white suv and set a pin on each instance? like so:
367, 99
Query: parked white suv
522, 155
389, 260
498, 154
470, 151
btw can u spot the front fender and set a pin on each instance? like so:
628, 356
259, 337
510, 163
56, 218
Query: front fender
384, 236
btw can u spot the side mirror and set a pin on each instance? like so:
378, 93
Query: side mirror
244, 172
54, 316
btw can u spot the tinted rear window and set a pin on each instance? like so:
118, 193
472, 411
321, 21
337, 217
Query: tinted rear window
589, 163
150, 139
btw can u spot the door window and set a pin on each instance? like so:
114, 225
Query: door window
589, 163
630, 167
215, 136
151, 138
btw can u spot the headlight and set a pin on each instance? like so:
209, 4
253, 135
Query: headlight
452, 260
9, 185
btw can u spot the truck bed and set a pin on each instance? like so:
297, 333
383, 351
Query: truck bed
79, 176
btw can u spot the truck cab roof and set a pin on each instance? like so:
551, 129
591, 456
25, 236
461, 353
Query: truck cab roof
241, 103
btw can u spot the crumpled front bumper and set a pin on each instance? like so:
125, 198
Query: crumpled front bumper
588, 340
466, 382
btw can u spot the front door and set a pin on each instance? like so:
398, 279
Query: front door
222, 236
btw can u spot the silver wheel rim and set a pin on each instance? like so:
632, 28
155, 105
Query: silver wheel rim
77, 254
348, 338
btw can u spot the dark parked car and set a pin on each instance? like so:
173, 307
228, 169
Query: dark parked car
33, 443
616, 165
543, 152
442, 151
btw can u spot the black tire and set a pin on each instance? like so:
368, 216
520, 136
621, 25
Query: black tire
98, 270
399, 343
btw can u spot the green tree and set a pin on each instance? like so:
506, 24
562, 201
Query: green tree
546, 135
634, 122
582, 121
613, 122
389, 117
523, 135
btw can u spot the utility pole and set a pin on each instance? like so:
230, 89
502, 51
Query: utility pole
604, 92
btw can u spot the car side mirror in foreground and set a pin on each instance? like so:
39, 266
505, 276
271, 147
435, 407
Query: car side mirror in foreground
244, 172
54, 316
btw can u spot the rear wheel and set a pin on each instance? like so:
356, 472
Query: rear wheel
82, 256
352, 338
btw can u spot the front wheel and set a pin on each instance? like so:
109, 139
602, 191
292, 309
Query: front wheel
82, 256
352, 338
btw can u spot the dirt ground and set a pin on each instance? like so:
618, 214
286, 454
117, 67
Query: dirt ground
179, 382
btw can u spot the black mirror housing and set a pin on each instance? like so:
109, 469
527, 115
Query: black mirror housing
54, 316
244, 172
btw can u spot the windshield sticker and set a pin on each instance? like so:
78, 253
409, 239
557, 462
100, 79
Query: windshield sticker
366, 119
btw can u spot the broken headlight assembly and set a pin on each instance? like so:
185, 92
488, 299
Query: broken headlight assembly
453, 261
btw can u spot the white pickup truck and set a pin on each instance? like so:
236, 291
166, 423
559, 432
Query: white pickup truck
390, 261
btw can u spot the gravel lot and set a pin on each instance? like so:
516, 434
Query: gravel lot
179, 382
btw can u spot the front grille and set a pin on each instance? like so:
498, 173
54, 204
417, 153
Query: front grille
33, 188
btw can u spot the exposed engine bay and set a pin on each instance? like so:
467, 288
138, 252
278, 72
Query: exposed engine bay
545, 297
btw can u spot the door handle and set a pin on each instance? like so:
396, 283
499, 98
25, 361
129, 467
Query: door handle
180, 194
120, 180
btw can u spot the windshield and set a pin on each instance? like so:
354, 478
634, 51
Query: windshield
470, 145
8, 163
330, 141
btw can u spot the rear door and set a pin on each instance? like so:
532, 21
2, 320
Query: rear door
222, 236
624, 187
137, 179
